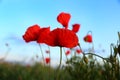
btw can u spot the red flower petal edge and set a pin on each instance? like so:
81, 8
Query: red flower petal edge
64, 19
75, 28
31, 33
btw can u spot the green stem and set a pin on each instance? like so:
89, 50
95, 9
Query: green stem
60, 58
89, 32
50, 62
96, 55
81, 49
119, 37
42, 54
93, 47
49, 56
92, 54
56, 78
111, 46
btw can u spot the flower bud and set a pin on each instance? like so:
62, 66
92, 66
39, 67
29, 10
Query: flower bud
86, 60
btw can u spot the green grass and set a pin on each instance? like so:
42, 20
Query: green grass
76, 69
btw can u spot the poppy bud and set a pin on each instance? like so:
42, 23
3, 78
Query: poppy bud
88, 38
86, 60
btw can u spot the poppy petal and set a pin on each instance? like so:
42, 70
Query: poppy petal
64, 18
31, 33
62, 38
42, 34
75, 28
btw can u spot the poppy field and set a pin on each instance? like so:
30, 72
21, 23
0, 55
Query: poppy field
80, 65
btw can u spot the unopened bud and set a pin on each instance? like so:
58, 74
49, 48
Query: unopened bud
86, 60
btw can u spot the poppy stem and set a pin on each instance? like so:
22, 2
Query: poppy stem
50, 61
97, 56
49, 55
60, 58
119, 37
65, 54
6, 54
42, 54
75, 54
92, 54
59, 63
81, 49
89, 32
92, 42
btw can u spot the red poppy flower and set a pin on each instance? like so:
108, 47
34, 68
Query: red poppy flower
64, 19
47, 60
78, 51
32, 33
42, 34
67, 52
62, 38
88, 38
75, 28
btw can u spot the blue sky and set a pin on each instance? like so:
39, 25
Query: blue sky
102, 17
